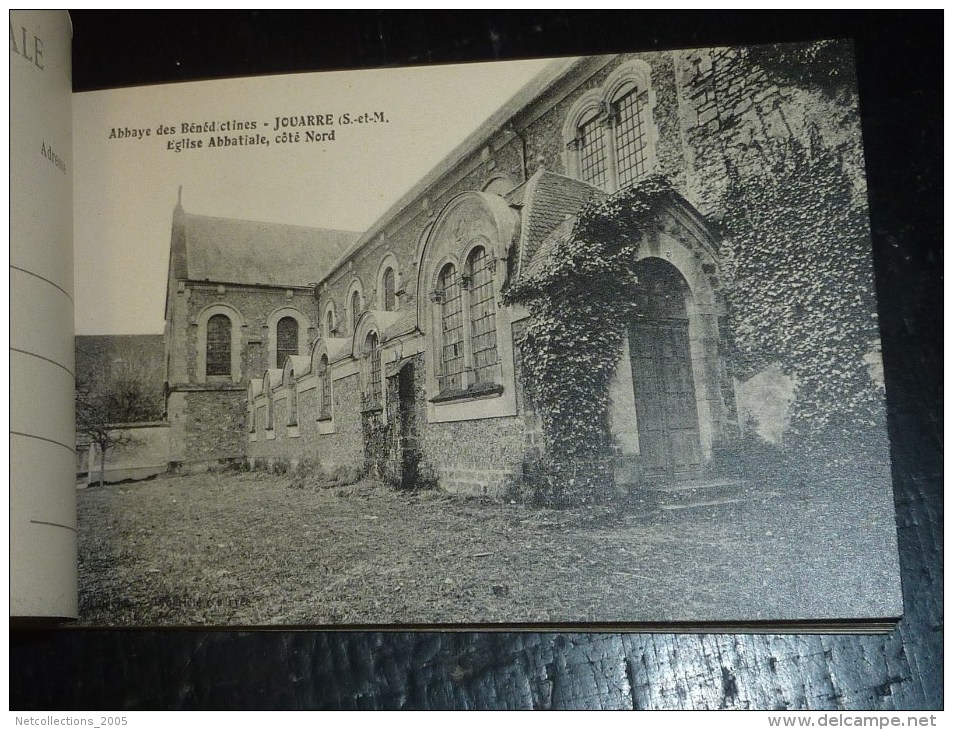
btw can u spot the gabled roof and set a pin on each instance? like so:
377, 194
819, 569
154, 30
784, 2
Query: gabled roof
539, 271
548, 201
225, 250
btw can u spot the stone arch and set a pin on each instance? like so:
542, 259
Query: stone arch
585, 107
369, 322
271, 381
468, 221
631, 73
296, 367
254, 390
499, 183
465, 216
321, 367
330, 323
621, 152
369, 328
679, 254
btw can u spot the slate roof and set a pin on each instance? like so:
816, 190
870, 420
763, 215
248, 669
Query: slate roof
544, 254
549, 201
253, 252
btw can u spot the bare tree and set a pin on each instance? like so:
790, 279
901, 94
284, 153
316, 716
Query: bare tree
118, 382
100, 411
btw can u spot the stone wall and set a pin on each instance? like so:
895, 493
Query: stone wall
331, 447
479, 457
214, 428
145, 454
404, 235
254, 305
735, 102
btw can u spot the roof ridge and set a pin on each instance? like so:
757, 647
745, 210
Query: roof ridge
230, 219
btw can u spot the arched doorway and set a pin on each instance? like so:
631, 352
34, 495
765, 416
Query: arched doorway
663, 380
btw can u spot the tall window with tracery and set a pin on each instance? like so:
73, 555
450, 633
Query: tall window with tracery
450, 374
218, 345
330, 322
485, 355
629, 132
287, 339
372, 352
324, 374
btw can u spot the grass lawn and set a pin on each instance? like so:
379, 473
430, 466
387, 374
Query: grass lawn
249, 549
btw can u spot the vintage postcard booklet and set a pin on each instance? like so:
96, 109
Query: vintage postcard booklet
583, 342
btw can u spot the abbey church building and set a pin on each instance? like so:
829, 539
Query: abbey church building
562, 297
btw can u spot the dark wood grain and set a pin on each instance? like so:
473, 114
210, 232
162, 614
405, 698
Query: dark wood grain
899, 71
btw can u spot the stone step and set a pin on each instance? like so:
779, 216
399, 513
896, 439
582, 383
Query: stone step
701, 491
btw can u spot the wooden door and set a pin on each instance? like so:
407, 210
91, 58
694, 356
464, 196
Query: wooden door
665, 398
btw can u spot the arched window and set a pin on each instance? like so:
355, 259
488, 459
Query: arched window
330, 321
591, 145
609, 133
485, 359
218, 346
390, 297
355, 309
373, 396
324, 375
630, 134
450, 301
287, 339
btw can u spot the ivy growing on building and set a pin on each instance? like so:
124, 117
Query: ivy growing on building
581, 298
802, 293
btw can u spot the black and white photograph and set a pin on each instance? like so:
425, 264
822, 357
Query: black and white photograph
585, 342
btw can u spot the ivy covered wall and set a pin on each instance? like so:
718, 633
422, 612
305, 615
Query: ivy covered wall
774, 141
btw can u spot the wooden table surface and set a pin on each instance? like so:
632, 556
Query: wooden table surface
899, 71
